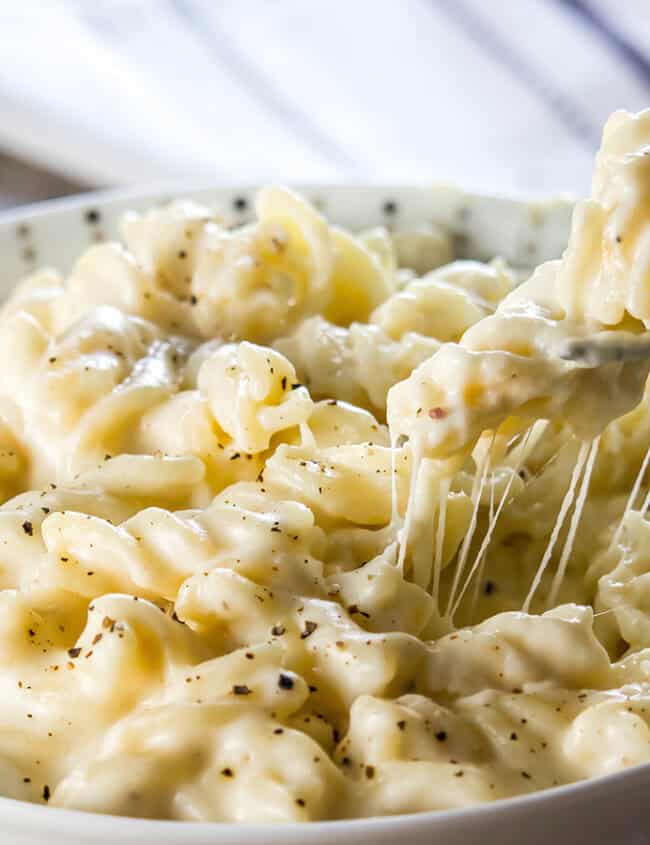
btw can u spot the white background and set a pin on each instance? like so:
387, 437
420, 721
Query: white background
503, 95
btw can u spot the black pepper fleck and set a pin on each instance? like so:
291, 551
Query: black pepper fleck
309, 629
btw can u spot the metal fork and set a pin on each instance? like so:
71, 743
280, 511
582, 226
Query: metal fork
606, 348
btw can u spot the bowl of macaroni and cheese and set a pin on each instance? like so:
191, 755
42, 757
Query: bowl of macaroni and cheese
309, 528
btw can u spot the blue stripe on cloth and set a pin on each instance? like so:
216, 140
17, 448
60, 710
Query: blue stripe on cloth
597, 22
504, 53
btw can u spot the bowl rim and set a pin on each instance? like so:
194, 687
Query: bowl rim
179, 187
60, 819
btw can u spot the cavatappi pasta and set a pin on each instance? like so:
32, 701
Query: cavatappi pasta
276, 495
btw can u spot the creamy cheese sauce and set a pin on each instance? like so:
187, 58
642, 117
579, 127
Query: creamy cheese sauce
293, 532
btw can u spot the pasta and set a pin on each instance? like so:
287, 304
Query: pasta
302, 524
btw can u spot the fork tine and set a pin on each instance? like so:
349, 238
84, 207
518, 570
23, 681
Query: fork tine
598, 350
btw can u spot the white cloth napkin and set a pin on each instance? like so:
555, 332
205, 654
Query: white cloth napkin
501, 95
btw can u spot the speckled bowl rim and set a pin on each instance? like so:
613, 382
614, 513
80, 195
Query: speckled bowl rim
523, 232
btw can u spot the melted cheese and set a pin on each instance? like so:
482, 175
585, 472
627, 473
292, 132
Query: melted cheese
230, 592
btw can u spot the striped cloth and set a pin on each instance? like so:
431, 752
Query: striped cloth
500, 95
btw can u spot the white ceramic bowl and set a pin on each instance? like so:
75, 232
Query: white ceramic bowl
610, 809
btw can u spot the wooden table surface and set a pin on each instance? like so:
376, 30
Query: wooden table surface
22, 183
